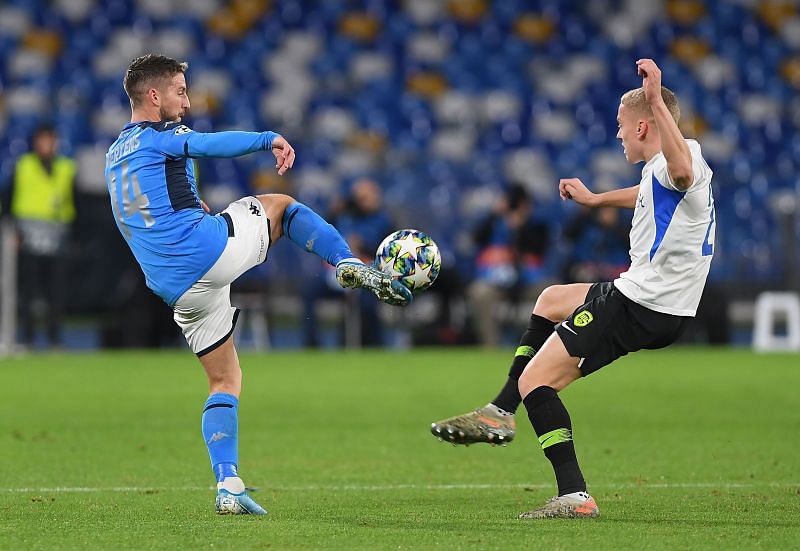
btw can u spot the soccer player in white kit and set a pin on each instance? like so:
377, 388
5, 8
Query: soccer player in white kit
576, 329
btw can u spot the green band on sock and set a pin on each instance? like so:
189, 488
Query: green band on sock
555, 437
528, 351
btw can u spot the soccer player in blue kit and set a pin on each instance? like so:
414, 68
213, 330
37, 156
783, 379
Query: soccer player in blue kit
190, 257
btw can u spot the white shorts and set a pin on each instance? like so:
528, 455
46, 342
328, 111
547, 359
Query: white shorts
204, 312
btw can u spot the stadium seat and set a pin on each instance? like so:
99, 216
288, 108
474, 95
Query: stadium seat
435, 80
770, 306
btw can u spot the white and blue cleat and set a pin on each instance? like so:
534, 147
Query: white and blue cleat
237, 504
232, 499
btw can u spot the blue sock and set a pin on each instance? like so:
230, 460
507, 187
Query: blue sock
311, 233
221, 433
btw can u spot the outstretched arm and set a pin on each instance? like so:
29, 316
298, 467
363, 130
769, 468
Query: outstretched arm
573, 188
184, 142
673, 145
226, 144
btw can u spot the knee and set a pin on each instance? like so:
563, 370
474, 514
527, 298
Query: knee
550, 304
233, 387
283, 199
275, 205
228, 381
534, 376
527, 381
276, 202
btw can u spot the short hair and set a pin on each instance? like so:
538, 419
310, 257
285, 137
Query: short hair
517, 195
635, 99
42, 128
144, 69
45, 128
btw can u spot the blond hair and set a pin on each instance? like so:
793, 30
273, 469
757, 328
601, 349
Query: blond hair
635, 99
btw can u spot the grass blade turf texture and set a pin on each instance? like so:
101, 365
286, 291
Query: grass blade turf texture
683, 448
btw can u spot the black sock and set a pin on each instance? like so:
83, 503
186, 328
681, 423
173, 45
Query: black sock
551, 422
539, 329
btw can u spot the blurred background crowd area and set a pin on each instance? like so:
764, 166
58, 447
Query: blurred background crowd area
456, 117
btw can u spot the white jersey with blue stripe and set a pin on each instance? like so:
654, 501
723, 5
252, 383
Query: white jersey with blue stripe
672, 239
151, 182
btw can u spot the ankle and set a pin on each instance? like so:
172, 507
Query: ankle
225, 470
351, 260
497, 410
582, 495
232, 484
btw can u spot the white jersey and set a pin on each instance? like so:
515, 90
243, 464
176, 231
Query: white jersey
672, 239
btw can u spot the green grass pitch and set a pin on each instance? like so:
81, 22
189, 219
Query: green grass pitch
682, 448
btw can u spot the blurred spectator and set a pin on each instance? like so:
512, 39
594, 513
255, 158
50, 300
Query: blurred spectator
600, 244
364, 224
448, 326
412, 110
43, 209
510, 264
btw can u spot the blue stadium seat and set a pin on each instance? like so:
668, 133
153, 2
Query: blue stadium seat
482, 57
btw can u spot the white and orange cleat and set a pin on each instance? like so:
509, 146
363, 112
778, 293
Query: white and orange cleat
575, 505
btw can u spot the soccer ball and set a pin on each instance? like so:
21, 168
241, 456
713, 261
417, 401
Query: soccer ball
411, 257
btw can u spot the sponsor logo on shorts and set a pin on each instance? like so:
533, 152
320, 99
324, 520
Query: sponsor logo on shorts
583, 318
254, 209
567, 327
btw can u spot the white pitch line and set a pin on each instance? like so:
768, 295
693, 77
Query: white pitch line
80, 489
395, 487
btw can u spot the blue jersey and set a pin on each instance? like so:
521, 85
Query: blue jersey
151, 181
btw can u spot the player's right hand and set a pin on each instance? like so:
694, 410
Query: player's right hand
573, 188
651, 79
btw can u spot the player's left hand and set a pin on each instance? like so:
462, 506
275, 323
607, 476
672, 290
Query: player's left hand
284, 154
651, 80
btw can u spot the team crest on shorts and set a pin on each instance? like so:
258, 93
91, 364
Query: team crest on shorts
583, 318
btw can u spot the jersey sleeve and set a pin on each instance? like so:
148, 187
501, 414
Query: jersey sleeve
182, 141
700, 170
